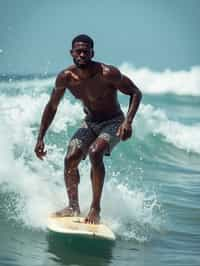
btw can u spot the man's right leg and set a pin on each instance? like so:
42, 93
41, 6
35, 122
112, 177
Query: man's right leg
72, 179
77, 150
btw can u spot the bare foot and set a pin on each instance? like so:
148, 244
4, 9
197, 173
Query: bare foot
93, 216
67, 212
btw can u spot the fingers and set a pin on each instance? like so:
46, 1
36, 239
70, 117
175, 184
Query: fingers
124, 133
39, 150
118, 132
41, 154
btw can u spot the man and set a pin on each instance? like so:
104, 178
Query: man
95, 85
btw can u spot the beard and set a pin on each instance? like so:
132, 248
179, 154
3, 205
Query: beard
82, 65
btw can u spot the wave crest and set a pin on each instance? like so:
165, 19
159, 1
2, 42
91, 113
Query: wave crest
155, 121
180, 82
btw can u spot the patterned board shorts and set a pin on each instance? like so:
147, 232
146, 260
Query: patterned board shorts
90, 131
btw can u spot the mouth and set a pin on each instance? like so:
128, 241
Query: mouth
82, 61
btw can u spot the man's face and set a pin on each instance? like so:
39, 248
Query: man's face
82, 54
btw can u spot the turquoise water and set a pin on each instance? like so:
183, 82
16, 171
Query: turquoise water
152, 188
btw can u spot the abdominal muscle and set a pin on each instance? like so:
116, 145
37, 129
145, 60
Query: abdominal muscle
101, 112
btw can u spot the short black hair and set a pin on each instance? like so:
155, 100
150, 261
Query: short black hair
83, 38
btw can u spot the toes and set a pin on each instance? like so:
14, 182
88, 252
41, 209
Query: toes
88, 220
92, 217
91, 220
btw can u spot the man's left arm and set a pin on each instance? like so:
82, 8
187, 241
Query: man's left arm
126, 86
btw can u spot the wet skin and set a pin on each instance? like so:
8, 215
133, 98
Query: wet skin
95, 85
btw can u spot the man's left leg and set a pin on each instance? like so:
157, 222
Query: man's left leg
96, 153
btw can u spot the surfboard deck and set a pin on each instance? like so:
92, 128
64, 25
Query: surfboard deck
75, 226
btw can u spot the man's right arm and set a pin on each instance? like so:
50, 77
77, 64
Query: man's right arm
49, 113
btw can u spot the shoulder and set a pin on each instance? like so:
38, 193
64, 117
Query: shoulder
111, 73
65, 77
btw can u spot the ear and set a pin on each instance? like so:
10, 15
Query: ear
92, 53
71, 52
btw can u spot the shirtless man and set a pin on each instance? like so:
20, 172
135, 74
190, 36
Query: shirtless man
95, 85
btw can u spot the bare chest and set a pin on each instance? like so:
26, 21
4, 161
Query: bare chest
93, 90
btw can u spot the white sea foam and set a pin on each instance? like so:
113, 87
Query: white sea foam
37, 84
132, 214
180, 82
32, 180
155, 121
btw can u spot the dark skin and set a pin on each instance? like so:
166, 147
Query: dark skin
96, 85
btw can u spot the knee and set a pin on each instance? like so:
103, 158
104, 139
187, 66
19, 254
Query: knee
95, 155
72, 159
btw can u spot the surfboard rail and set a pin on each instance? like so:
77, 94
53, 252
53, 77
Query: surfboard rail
77, 227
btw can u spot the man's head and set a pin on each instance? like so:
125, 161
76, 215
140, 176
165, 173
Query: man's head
82, 50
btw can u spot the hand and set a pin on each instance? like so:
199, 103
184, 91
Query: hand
39, 149
124, 131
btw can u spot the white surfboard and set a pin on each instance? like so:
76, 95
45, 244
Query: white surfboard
77, 226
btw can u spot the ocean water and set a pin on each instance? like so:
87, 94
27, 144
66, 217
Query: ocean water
152, 188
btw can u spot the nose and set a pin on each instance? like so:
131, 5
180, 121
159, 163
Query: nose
82, 54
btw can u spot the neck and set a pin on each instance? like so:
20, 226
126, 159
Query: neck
88, 71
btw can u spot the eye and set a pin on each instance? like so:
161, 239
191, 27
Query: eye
85, 51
